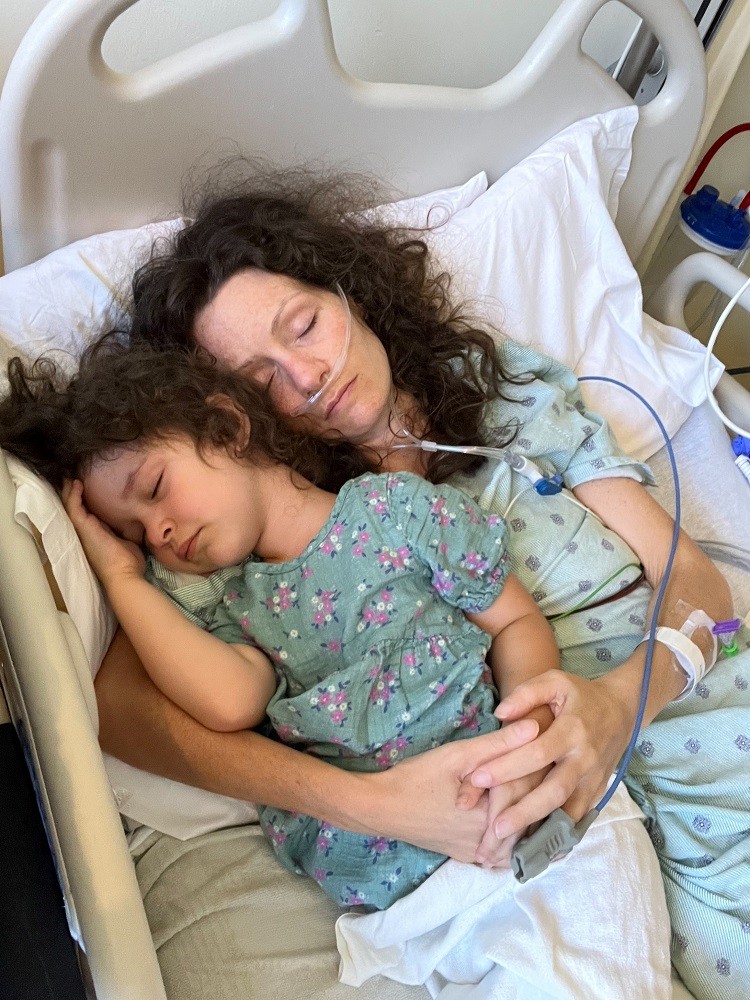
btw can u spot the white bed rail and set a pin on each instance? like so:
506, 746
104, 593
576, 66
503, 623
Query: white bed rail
48, 706
667, 304
84, 149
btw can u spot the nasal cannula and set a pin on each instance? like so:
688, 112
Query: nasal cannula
558, 834
338, 365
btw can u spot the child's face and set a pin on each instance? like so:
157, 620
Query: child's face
195, 513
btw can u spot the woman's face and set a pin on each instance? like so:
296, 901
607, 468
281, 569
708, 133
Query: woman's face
288, 336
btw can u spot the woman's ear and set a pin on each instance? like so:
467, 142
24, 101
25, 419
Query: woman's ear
221, 401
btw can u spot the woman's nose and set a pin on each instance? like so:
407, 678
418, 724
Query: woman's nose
309, 374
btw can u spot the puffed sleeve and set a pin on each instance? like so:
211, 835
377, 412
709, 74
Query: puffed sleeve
464, 548
563, 435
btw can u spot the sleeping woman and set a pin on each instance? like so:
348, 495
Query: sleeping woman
253, 279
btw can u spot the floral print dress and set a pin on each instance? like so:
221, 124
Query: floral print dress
375, 659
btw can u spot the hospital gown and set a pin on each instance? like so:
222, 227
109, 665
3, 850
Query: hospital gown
691, 769
690, 772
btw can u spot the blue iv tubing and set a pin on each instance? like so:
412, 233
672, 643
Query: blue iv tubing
659, 594
545, 485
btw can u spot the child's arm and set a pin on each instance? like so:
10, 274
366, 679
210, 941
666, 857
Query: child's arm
225, 687
523, 646
523, 643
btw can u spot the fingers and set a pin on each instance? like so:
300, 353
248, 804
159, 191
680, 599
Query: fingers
553, 793
545, 750
72, 497
468, 795
477, 751
494, 853
550, 688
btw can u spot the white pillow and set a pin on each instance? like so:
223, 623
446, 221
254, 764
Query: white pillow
69, 297
540, 254
38, 504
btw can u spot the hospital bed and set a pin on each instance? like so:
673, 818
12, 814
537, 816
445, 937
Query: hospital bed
86, 150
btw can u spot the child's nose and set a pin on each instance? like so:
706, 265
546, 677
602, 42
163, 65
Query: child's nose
159, 532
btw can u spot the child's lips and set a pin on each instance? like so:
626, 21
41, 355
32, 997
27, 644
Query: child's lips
187, 548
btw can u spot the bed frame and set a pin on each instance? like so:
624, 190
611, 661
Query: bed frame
85, 149
73, 134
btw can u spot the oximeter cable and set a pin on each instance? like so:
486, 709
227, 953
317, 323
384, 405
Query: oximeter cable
557, 835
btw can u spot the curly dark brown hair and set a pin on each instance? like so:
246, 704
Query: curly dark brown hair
121, 395
313, 229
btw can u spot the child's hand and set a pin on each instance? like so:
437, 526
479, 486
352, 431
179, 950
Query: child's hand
111, 557
501, 797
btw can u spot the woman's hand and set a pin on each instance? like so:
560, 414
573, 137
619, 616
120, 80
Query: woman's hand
416, 800
501, 797
581, 748
110, 556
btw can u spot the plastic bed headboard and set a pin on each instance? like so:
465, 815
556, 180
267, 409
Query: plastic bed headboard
84, 149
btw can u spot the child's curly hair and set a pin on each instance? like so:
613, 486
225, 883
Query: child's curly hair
121, 394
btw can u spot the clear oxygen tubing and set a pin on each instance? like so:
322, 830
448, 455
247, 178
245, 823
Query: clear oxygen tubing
707, 361
336, 368
544, 485
659, 594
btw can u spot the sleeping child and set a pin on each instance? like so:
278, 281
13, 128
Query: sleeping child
358, 623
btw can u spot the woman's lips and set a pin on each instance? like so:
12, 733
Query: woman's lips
333, 406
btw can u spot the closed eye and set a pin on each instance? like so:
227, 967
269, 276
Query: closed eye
155, 490
309, 326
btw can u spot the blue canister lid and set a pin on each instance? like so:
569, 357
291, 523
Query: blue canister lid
715, 220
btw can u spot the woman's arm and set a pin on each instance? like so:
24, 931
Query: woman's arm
594, 719
414, 801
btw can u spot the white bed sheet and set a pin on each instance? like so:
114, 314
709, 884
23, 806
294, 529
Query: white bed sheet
715, 497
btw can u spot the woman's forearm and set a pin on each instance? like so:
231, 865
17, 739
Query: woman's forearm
141, 726
694, 582
414, 801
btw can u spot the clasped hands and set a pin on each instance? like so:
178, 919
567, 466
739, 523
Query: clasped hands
564, 759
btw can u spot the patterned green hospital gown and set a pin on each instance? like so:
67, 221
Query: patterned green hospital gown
691, 769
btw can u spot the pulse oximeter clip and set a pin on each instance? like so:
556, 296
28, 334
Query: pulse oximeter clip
553, 840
